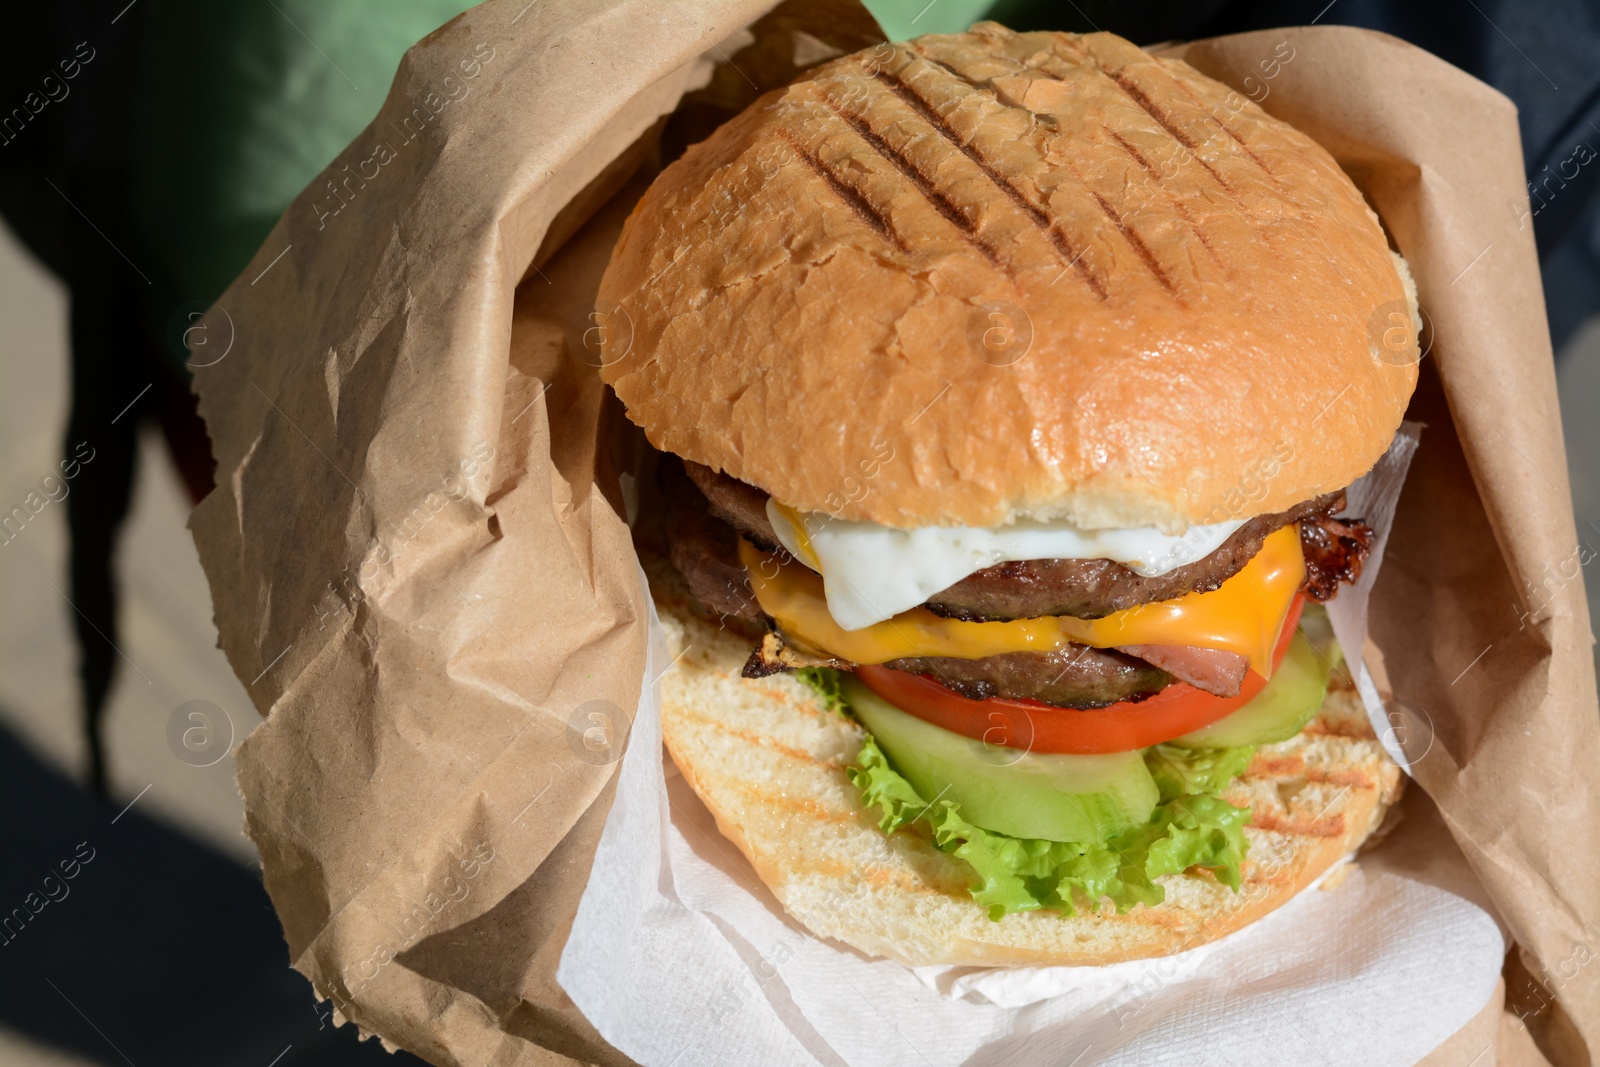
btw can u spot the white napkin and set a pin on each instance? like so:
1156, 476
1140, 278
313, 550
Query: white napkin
680, 956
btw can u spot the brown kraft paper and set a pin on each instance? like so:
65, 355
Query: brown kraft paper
419, 547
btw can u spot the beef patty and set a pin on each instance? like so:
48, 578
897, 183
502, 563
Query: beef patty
704, 549
1073, 677
1027, 589
703, 530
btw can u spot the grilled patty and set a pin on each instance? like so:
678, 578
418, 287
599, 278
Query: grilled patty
1095, 588
1028, 589
704, 549
703, 529
1073, 677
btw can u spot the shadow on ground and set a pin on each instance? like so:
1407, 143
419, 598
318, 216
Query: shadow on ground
158, 950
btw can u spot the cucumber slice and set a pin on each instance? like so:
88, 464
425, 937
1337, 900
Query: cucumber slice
1289, 701
1051, 797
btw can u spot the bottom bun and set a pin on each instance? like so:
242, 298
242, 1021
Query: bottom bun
769, 760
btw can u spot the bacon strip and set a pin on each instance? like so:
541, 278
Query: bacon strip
1213, 670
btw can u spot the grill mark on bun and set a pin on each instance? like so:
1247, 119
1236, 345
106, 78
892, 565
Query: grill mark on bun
850, 196
1177, 205
1194, 227
925, 109
951, 211
1138, 157
1229, 130
751, 737
1070, 256
1316, 826
1135, 241
1140, 97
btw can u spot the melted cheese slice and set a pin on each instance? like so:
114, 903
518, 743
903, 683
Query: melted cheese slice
871, 573
1244, 615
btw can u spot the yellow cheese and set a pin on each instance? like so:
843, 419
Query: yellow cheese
1244, 615
802, 534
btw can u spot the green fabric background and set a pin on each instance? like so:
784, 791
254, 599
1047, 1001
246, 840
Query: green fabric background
243, 104
901, 19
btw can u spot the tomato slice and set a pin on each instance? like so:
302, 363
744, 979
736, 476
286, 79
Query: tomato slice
1039, 727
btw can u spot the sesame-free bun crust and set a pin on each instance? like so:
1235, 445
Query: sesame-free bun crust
769, 762
991, 275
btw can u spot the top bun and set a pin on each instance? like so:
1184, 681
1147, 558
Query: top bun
989, 276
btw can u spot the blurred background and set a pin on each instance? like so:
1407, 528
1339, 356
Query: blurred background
146, 148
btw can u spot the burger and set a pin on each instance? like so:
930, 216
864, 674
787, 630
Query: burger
1006, 388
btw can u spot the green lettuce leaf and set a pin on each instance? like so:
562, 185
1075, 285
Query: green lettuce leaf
824, 681
1192, 827
1182, 771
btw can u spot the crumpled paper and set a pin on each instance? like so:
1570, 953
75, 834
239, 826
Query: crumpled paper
419, 553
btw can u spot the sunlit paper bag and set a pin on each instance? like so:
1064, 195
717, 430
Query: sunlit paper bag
419, 550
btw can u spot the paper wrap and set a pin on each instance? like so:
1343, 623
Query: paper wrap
419, 548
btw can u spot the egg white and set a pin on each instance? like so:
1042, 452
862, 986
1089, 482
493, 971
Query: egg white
871, 573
